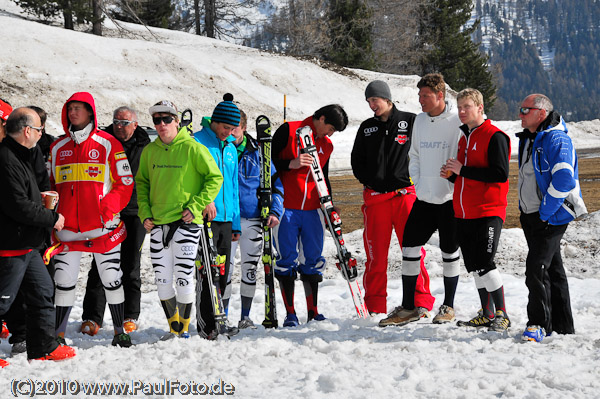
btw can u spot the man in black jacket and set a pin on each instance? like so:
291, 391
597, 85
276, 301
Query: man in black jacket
380, 162
24, 220
133, 138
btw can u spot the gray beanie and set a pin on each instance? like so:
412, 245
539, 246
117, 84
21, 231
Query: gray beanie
378, 88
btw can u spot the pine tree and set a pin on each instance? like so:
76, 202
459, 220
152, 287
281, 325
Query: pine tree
151, 12
450, 50
81, 10
350, 34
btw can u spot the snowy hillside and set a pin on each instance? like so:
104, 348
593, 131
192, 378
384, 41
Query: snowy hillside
341, 357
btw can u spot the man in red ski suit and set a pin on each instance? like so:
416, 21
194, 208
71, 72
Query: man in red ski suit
380, 163
90, 172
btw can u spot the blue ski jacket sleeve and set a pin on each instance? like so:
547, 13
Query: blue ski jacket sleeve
557, 173
227, 202
249, 182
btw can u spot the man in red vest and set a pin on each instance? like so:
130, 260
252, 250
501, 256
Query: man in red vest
480, 176
301, 226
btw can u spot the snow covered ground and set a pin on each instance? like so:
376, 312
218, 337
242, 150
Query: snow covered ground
342, 357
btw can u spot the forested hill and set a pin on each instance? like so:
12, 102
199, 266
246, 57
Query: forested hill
548, 46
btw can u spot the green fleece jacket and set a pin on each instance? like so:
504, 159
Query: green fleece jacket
174, 177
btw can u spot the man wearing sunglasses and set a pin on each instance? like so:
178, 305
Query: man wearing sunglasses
133, 139
176, 180
549, 198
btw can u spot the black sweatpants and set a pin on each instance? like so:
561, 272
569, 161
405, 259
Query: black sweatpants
27, 275
549, 303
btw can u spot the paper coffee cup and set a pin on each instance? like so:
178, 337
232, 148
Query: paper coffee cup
50, 199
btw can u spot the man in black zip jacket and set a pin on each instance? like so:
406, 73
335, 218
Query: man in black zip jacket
24, 220
133, 138
380, 162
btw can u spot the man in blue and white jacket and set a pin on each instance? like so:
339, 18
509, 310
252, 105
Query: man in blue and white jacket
224, 212
549, 198
251, 241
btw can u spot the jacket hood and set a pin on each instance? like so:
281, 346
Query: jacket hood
553, 122
83, 97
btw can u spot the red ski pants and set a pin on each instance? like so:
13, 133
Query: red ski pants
382, 213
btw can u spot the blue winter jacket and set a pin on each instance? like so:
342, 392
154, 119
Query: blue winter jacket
556, 171
225, 154
249, 181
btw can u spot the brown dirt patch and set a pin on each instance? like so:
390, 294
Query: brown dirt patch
347, 192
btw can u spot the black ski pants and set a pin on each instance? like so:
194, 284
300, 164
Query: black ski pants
28, 275
94, 302
549, 303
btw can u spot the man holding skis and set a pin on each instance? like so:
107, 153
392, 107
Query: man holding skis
250, 242
176, 180
301, 225
224, 211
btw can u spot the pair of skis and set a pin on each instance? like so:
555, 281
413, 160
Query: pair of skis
265, 194
211, 265
346, 262
207, 253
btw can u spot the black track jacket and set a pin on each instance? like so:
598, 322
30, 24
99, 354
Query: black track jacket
380, 153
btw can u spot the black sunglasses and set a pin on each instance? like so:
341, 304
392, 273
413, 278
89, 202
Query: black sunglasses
525, 110
166, 119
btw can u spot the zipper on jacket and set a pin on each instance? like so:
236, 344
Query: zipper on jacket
223, 169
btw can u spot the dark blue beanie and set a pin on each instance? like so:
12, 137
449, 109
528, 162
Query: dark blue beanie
226, 111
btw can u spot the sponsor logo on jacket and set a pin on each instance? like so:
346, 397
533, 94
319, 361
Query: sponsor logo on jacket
402, 126
367, 132
401, 139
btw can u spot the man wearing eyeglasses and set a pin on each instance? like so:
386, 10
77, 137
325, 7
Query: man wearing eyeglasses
549, 198
24, 221
133, 139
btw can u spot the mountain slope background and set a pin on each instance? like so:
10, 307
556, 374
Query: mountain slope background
551, 47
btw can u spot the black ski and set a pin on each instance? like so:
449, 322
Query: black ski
263, 135
346, 262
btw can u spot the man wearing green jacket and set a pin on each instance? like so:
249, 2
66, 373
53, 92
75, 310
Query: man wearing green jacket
176, 180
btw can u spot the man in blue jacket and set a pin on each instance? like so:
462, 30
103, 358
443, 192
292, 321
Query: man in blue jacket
250, 243
549, 198
224, 212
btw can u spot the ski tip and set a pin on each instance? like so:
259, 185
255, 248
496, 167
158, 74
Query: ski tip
262, 120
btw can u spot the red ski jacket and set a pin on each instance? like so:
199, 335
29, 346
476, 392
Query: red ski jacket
298, 185
93, 179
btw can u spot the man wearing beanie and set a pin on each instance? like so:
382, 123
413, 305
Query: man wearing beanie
224, 212
380, 162
301, 225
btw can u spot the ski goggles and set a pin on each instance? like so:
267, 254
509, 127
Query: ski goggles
122, 122
525, 110
166, 119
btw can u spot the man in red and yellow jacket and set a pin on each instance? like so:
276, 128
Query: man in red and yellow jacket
480, 176
92, 176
